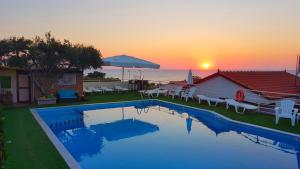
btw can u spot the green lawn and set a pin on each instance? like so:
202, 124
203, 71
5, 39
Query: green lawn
27, 147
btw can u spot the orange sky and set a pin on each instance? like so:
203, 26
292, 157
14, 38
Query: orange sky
229, 34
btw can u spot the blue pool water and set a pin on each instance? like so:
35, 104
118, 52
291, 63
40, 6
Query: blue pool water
160, 135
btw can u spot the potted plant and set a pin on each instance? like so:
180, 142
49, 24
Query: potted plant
48, 99
7, 98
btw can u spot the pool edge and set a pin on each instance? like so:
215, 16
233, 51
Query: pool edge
69, 159
72, 163
232, 120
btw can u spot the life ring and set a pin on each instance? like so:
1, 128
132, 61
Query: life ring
240, 95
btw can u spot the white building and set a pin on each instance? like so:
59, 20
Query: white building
261, 87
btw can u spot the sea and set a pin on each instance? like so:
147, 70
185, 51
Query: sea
156, 75
153, 75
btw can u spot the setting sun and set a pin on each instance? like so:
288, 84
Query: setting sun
206, 65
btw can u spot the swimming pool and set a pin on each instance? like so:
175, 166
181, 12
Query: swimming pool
153, 134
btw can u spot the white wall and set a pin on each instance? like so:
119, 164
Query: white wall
221, 87
104, 84
12, 74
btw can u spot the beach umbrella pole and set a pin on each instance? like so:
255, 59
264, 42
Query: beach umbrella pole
123, 74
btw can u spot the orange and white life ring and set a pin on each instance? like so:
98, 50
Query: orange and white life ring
240, 95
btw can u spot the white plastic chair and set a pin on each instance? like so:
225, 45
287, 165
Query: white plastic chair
175, 92
188, 94
286, 110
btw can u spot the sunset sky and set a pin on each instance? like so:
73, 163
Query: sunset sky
177, 34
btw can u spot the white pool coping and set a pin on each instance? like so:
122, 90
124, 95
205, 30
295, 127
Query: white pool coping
72, 163
234, 121
69, 159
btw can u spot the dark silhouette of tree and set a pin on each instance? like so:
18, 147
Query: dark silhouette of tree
96, 75
47, 57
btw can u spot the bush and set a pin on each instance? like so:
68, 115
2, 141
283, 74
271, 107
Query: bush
96, 75
2, 153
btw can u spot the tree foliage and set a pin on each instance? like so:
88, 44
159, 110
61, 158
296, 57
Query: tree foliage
48, 56
96, 75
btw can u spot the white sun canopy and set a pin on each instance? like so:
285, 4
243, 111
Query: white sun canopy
129, 62
126, 61
190, 77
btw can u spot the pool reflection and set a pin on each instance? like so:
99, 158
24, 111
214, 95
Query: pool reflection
89, 141
175, 128
261, 137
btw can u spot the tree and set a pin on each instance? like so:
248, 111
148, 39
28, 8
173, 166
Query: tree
83, 57
96, 75
47, 57
16, 49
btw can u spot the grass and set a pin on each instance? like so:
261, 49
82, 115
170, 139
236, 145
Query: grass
27, 147
2, 155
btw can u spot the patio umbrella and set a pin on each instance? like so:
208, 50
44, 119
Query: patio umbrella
126, 61
190, 78
216, 126
189, 122
91, 138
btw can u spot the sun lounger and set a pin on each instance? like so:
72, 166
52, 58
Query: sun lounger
188, 94
159, 91
87, 90
106, 89
148, 93
143, 93
209, 100
120, 89
286, 109
96, 90
175, 92
238, 105
154, 92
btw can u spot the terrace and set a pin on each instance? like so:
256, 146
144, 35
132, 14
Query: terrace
27, 146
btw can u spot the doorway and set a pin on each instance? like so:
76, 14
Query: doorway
23, 88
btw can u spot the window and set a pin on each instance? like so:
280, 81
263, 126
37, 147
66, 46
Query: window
5, 82
67, 79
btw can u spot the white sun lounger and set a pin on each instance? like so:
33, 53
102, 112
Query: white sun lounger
153, 92
148, 93
87, 90
96, 90
157, 92
238, 105
161, 91
209, 100
121, 89
188, 94
286, 110
175, 92
106, 89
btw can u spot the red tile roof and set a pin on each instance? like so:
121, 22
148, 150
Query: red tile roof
270, 81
